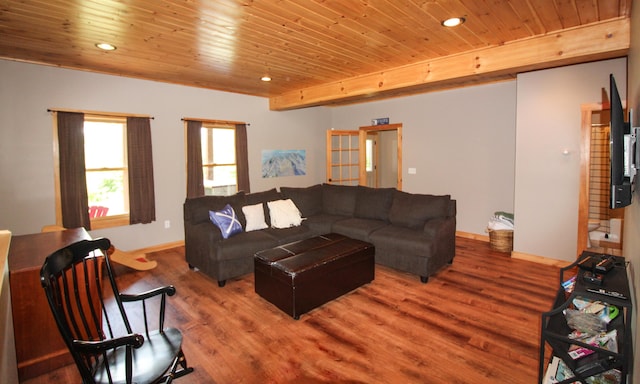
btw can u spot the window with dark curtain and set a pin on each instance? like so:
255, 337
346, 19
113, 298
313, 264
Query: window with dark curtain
142, 204
73, 183
242, 158
195, 183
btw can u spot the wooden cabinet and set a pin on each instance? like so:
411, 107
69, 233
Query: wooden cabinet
39, 346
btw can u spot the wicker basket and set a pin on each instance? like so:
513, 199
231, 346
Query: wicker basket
501, 240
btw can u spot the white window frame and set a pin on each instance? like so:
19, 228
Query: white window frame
207, 164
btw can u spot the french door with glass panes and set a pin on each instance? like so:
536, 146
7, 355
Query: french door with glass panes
343, 157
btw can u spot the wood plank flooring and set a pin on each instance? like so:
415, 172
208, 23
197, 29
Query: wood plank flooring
476, 321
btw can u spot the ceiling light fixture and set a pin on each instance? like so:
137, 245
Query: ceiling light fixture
266, 78
106, 46
453, 22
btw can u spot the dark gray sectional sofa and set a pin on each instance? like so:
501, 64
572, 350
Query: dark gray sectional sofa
414, 233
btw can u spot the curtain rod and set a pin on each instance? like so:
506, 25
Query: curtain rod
210, 121
99, 113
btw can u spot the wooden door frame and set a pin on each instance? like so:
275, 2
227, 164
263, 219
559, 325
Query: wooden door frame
585, 173
587, 111
364, 131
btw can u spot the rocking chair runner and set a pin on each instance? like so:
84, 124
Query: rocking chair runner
72, 278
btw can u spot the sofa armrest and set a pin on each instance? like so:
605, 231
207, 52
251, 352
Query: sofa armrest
199, 242
442, 231
433, 227
206, 231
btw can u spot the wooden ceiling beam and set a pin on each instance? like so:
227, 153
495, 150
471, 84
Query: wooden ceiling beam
596, 41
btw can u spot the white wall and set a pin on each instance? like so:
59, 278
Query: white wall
461, 142
26, 150
547, 182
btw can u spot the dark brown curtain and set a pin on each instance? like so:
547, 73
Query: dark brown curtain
73, 178
242, 158
195, 184
142, 204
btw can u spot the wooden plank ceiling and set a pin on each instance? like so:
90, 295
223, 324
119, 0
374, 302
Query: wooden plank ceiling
317, 52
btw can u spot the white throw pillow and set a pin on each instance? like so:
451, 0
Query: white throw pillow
255, 217
284, 214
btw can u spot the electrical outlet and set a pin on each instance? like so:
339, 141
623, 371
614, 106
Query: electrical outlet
411, 171
167, 224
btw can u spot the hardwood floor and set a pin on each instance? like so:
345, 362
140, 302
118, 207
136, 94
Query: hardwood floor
476, 321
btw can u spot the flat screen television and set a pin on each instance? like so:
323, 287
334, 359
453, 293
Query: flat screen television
622, 151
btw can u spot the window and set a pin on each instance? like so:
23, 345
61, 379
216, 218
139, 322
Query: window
104, 170
216, 157
218, 160
106, 166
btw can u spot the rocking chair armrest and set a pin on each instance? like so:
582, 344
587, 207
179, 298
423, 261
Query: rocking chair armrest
169, 290
134, 340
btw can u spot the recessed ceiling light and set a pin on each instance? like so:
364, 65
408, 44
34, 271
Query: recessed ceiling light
453, 22
106, 46
266, 78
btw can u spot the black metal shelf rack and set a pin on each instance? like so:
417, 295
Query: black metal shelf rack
554, 335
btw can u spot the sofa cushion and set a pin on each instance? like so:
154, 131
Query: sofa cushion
402, 241
308, 200
412, 210
322, 223
404, 249
242, 247
196, 209
262, 197
226, 220
288, 235
373, 203
338, 199
357, 228
284, 214
254, 214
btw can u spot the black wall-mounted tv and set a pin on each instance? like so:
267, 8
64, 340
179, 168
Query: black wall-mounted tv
622, 151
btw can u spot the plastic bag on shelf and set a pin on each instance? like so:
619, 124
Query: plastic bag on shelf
589, 323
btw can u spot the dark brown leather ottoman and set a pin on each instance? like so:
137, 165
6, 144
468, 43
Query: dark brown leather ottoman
300, 276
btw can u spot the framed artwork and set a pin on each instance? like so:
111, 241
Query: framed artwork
280, 163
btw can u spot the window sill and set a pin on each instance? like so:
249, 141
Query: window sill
110, 221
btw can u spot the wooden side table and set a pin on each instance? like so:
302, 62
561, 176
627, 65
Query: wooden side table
39, 346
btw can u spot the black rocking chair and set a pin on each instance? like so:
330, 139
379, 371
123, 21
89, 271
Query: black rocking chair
96, 329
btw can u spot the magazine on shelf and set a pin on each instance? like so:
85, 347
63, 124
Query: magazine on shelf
606, 341
558, 371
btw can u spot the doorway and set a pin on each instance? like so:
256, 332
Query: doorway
381, 159
599, 227
382, 156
